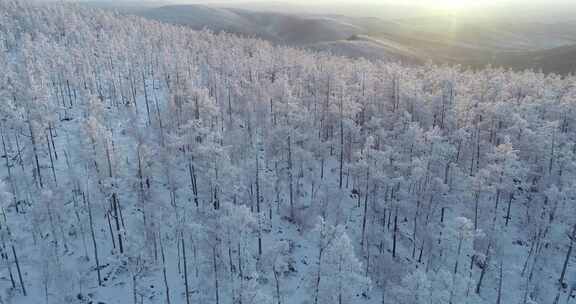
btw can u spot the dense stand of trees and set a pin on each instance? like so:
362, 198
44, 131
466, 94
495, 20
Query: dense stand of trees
134, 150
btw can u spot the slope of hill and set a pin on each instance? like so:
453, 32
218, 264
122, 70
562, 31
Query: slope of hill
201, 16
550, 60
280, 28
498, 35
557, 60
299, 30
358, 46
483, 41
465, 40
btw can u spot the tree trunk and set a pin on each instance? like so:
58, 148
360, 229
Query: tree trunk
484, 269
192, 172
258, 204
290, 179
93, 235
146, 99
510, 199
568, 255
19, 271
166, 287
318, 276
114, 203
341, 142
134, 294
277, 280
216, 282
9, 170
51, 161
476, 203
414, 233
365, 209
185, 266
395, 233
35, 150
500, 279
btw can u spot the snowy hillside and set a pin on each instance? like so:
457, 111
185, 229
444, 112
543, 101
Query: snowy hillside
279, 28
148, 163
359, 46
475, 39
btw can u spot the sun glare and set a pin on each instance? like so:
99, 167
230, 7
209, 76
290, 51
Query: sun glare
450, 5
457, 5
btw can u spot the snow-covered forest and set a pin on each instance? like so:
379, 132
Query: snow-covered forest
147, 163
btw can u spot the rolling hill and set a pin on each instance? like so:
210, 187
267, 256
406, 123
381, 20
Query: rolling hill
276, 27
469, 40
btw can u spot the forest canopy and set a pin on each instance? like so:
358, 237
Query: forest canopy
150, 163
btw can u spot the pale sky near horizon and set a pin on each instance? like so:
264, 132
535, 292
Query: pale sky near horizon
400, 2
428, 3
370, 7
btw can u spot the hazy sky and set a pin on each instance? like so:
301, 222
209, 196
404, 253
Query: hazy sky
541, 10
404, 2
531, 9
441, 4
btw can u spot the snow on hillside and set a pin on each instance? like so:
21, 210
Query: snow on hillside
201, 16
148, 163
276, 27
365, 47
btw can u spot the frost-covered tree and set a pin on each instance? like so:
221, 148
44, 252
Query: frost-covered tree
188, 166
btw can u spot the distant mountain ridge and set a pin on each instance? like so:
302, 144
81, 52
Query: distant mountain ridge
279, 28
469, 41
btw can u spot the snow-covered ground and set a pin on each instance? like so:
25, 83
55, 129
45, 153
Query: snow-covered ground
148, 149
